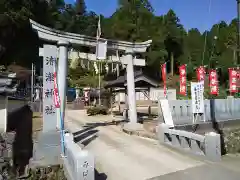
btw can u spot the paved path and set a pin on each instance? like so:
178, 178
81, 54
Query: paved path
124, 157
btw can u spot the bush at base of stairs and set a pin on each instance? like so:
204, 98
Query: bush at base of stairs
92, 111
49, 173
232, 140
54, 172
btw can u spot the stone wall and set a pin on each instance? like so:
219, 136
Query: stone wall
3, 114
6, 144
12, 105
8, 107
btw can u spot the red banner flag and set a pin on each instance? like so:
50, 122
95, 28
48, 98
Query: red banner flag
233, 76
213, 82
55, 92
201, 73
183, 80
164, 78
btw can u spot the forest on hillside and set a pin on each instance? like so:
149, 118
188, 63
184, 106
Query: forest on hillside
132, 21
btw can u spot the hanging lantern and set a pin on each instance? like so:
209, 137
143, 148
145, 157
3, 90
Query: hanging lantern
200, 73
232, 80
164, 77
183, 80
213, 82
55, 92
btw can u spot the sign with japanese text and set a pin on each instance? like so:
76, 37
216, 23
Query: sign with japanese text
200, 73
197, 90
213, 82
233, 76
183, 80
164, 77
49, 110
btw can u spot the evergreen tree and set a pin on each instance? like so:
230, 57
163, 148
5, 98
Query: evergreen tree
80, 7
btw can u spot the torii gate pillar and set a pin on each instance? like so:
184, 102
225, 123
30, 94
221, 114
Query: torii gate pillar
131, 88
62, 73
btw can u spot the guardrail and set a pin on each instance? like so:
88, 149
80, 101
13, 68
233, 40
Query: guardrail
78, 163
208, 145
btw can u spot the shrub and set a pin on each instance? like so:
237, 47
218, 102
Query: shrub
231, 140
92, 111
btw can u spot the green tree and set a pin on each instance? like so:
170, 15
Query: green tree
195, 47
131, 21
174, 37
157, 53
15, 29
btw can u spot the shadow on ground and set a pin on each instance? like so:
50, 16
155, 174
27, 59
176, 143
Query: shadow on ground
100, 176
140, 115
89, 133
85, 137
104, 123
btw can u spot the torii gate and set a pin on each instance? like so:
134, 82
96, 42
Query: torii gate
64, 39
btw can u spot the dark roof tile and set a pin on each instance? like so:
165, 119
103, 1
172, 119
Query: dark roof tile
138, 76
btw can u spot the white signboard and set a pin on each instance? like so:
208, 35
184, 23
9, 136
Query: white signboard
197, 90
101, 50
166, 111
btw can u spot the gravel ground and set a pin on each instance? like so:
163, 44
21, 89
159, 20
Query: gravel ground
37, 125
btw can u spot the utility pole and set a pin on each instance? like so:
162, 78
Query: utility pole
238, 32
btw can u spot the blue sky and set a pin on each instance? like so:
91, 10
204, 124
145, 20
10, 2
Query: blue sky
192, 13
